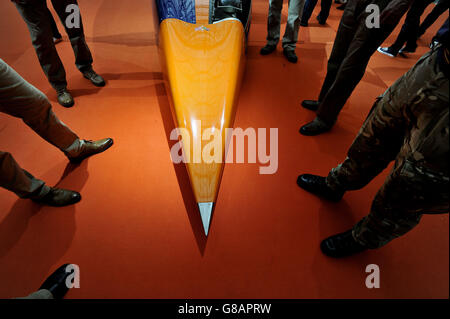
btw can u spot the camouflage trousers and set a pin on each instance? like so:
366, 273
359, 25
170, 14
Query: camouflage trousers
393, 131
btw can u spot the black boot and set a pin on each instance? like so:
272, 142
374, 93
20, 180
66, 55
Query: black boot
321, 21
316, 127
268, 49
290, 55
311, 104
408, 48
317, 185
341, 245
56, 283
95, 78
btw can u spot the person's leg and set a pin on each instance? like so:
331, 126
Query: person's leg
40, 294
35, 15
344, 36
352, 69
410, 28
308, 10
83, 57
382, 134
293, 24
438, 10
398, 206
274, 21
21, 99
413, 34
55, 286
325, 6
19, 181
55, 30
419, 181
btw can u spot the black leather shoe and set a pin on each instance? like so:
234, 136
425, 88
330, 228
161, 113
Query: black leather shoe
290, 55
317, 186
90, 148
58, 197
303, 23
311, 104
408, 49
321, 21
65, 98
341, 245
56, 282
92, 76
268, 49
316, 127
342, 6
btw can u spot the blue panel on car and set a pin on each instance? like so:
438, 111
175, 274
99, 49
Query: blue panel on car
176, 9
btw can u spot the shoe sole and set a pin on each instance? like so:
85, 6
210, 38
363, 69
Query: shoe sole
60, 205
267, 53
385, 53
79, 160
67, 105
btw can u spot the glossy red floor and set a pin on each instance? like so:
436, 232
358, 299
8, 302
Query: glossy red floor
134, 235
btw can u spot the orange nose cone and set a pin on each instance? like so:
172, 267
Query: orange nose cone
204, 66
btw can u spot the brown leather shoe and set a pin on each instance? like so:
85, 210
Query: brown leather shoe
58, 197
90, 148
65, 98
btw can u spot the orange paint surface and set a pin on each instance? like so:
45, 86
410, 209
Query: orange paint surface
134, 234
204, 68
202, 11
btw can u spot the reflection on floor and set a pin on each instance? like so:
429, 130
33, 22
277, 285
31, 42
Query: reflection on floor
132, 235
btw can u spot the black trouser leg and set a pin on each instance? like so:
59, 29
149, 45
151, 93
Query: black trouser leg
325, 6
431, 18
308, 10
55, 30
344, 36
410, 28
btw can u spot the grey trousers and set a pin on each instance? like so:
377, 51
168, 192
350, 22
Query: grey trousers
295, 11
20, 99
35, 14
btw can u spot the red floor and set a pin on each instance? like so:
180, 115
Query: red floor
132, 235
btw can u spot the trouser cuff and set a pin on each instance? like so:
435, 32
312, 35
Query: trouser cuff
74, 149
39, 193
